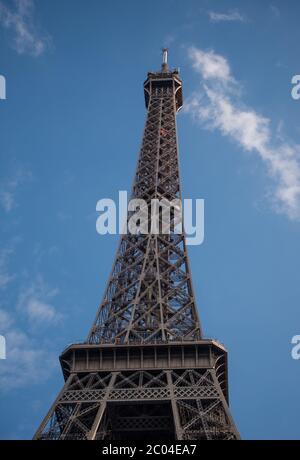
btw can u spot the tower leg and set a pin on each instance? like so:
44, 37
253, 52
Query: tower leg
102, 408
177, 424
42, 426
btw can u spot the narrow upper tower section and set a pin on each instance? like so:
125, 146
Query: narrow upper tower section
165, 78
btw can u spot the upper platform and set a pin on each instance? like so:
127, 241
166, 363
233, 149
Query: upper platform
164, 78
196, 354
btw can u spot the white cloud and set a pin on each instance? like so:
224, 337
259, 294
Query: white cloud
36, 302
41, 311
20, 22
217, 105
210, 65
227, 17
27, 362
9, 188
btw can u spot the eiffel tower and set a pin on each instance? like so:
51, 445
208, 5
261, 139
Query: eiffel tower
145, 370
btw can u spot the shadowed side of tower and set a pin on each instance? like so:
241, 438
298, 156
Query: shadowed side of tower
145, 370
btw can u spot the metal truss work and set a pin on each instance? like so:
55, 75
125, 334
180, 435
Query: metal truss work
186, 404
149, 296
145, 371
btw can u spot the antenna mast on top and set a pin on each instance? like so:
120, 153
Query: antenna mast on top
164, 66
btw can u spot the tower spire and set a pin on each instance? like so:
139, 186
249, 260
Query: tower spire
164, 66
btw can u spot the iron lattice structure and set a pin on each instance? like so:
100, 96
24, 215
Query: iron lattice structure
145, 370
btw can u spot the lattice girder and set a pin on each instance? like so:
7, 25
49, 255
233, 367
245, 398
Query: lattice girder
200, 403
149, 296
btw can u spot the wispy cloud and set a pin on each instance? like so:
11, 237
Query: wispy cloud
36, 301
169, 40
275, 11
19, 21
7, 200
218, 105
10, 186
27, 362
26, 310
5, 321
5, 276
211, 65
230, 16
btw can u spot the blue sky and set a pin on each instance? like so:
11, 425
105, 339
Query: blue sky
71, 128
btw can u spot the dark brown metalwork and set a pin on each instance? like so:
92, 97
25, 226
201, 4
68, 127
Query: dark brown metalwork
145, 370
